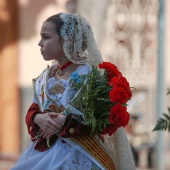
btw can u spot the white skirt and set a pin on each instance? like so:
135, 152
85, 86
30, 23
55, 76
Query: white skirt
61, 156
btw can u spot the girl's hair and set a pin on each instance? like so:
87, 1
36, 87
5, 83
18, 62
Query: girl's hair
55, 19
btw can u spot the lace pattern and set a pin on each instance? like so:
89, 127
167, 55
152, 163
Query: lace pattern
79, 43
77, 161
120, 150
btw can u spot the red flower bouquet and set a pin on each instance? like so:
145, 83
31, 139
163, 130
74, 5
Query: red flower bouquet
102, 99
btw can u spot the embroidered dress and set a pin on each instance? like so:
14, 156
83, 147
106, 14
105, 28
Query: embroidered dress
62, 155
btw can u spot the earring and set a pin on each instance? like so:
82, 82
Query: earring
65, 58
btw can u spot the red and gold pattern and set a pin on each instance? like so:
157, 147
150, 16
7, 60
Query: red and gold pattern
56, 109
96, 150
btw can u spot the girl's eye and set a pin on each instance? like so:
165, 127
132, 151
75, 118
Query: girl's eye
45, 37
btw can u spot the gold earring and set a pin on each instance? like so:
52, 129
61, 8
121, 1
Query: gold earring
65, 58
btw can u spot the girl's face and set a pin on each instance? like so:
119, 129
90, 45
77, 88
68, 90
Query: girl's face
51, 43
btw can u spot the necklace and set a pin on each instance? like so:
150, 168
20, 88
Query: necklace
60, 70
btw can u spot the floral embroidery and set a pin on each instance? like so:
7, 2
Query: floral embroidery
56, 109
57, 88
75, 76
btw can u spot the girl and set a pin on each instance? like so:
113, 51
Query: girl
59, 140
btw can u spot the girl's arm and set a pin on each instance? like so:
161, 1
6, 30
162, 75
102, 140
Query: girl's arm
33, 128
71, 127
37, 121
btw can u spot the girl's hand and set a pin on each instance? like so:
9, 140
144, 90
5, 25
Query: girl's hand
60, 119
47, 124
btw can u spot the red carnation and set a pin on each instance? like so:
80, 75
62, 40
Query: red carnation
119, 115
119, 82
118, 94
111, 129
122, 82
129, 93
122, 119
110, 68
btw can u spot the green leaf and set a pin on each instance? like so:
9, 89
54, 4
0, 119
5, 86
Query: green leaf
166, 116
162, 124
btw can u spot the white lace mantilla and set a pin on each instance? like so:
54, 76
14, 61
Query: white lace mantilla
79, 44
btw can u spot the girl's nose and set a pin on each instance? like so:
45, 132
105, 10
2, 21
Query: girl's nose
40, 43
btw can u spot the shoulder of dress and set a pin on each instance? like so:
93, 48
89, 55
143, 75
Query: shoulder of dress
43, 72
84, 69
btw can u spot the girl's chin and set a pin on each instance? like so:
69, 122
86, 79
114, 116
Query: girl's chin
47, 58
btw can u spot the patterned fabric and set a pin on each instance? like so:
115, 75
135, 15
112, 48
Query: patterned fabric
54, 101
79, 44
61, 156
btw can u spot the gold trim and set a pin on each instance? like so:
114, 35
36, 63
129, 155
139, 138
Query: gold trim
34, 87
48, 142
96, 150
46, 91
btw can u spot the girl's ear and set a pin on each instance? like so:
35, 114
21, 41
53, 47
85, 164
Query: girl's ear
61, 41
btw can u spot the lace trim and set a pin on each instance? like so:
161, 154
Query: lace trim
79, 43
119, 147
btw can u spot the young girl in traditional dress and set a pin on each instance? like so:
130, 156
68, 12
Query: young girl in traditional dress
59, 140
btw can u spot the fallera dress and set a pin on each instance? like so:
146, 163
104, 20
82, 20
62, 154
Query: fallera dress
61, 155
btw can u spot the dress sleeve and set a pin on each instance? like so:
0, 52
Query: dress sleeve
31, 126
73, 128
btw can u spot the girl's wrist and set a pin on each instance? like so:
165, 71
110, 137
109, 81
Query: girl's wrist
35, 118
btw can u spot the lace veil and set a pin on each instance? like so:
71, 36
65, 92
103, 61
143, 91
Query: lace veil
80, 47
79, 43
120, 151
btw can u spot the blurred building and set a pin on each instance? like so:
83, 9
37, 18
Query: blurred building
126, 31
